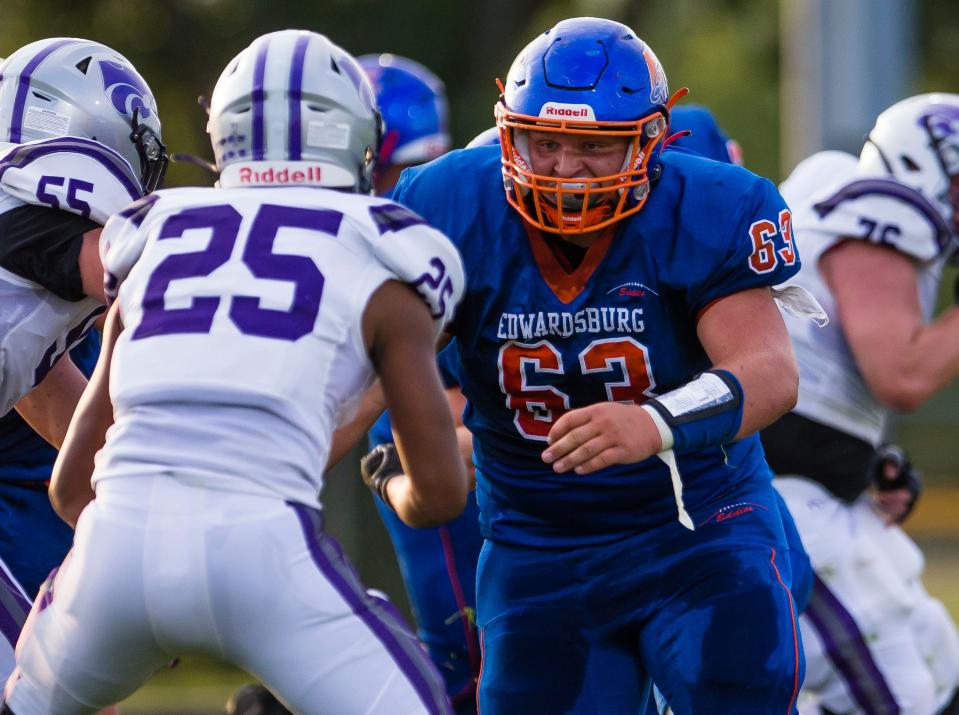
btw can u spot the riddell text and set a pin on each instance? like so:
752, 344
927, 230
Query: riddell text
283, 176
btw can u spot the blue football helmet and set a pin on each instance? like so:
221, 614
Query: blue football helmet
585, 76
413, 103
704, 134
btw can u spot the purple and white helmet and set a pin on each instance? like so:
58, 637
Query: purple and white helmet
294, 109
917, 142
70, 87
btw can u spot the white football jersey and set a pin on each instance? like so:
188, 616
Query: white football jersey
36, 326
832, 201
242, 347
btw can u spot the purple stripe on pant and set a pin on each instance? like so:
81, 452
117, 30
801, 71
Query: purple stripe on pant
379, 615
847, 649
14, 607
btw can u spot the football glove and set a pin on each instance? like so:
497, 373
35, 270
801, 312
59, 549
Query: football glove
379, 466
907, 476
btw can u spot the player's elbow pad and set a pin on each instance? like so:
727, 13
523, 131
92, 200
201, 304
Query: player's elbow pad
705, 412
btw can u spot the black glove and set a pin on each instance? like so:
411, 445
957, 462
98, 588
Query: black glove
907, 476
379, 466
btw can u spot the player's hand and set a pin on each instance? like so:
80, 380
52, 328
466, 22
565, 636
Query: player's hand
596, 436
379, 466
898, 484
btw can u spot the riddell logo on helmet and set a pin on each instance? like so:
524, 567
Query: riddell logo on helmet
556, 110
282, 176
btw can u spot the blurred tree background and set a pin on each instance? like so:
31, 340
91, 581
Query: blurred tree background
728, 52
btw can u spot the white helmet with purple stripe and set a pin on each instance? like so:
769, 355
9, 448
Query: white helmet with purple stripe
70, 87
294, 109
917, 142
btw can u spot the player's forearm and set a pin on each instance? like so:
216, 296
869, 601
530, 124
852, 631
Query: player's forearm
50, 405
770, 383
464, 440
421, 510
348, 435
70, 503
904, 375
433, 488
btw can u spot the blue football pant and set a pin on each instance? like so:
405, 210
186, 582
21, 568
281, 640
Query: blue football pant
707, 614
33, 539
439, 570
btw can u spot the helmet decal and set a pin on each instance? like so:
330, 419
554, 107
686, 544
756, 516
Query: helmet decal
23, 87
562, 109
943, 119
126, 90
942, 122
658, 89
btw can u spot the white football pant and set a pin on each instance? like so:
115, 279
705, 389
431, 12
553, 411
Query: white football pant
875, 640
160, 568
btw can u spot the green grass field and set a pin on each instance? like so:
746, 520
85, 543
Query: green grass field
201, 687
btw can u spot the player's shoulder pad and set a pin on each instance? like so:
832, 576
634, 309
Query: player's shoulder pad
815, 172
416, 253
122, 242
886, 212
72, 174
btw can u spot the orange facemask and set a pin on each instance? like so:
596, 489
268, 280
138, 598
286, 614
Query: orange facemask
581, 204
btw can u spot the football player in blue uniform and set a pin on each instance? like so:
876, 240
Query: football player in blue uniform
696, 129
619, 347
438, 565
412, 101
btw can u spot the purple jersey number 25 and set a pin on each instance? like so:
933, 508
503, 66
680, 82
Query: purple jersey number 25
224, 222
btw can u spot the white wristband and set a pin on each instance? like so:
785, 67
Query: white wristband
665, 433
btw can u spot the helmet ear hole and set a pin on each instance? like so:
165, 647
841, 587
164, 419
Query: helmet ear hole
909, 163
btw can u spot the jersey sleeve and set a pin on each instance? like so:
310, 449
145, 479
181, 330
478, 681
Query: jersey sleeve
122, 242
757, 250
448, 363
886, 213
78, 176
419, 255
43, 246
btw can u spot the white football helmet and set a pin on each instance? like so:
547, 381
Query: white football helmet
917, 142
294, 109
69, 87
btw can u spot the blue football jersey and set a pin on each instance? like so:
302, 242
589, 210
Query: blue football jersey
535, 340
